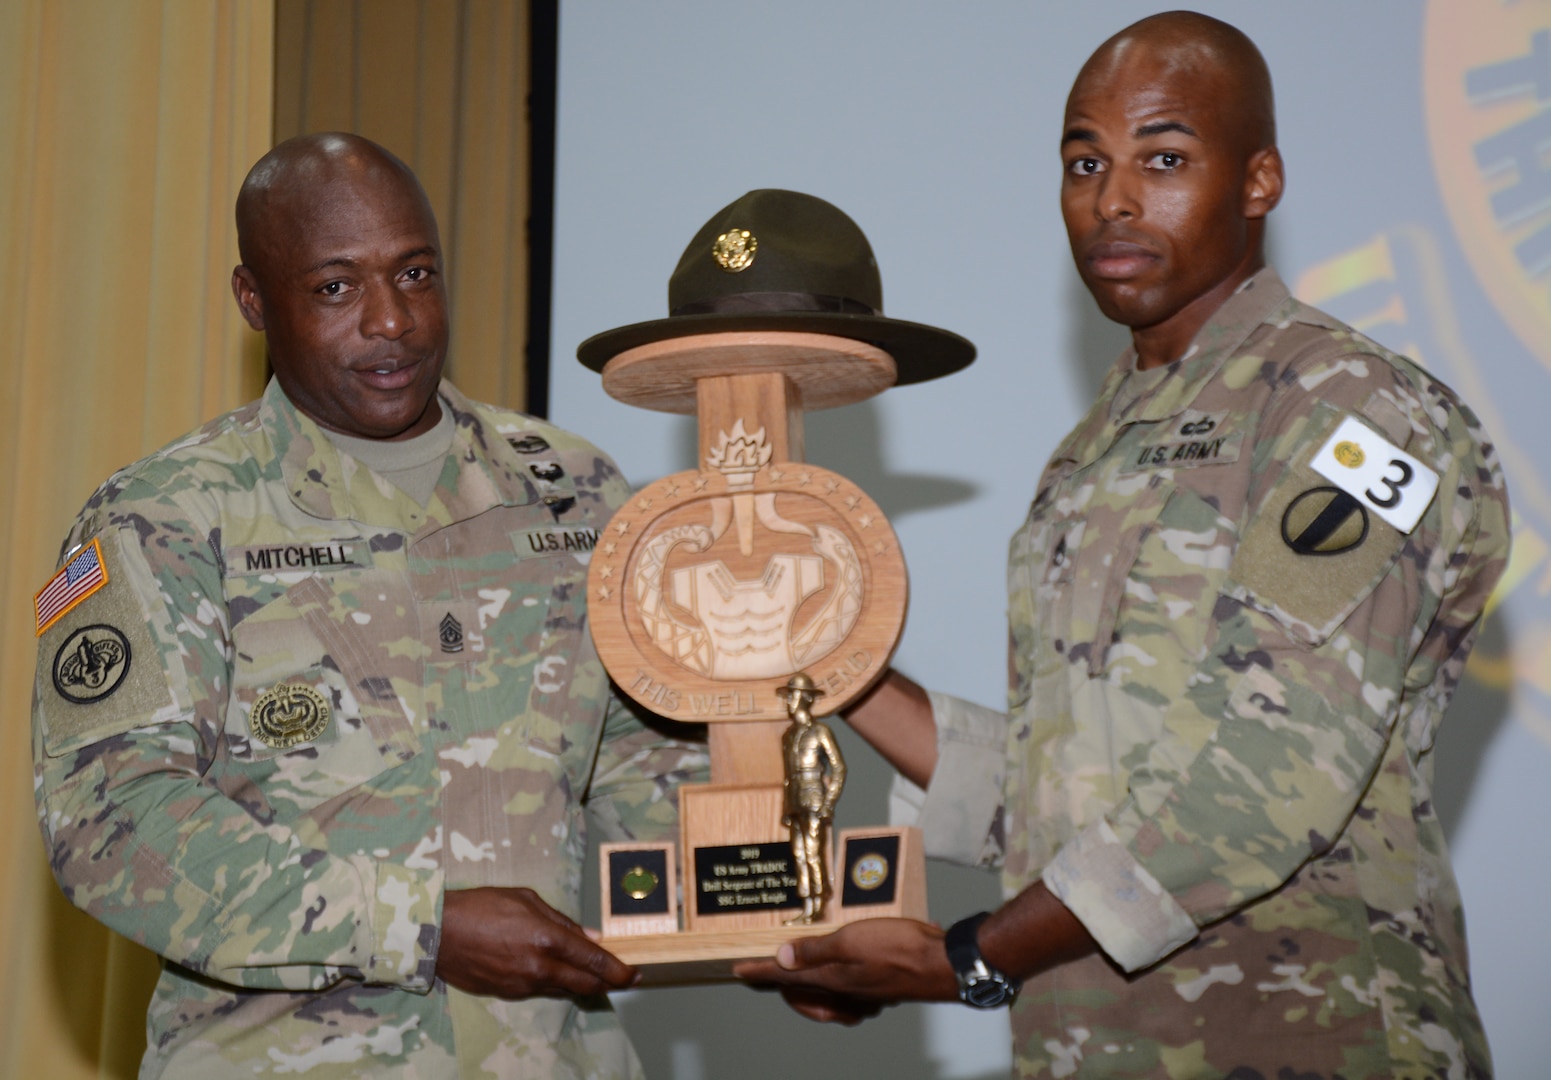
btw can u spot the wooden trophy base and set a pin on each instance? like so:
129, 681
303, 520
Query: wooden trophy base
738, 889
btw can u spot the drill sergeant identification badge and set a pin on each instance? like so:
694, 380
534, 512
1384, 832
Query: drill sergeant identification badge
729, 579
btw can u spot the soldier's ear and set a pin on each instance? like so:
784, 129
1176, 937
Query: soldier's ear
245, 289
1263, 182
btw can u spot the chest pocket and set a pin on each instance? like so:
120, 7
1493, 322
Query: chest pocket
1151, 629
1041, 569
562, 713
311, 716
502, 618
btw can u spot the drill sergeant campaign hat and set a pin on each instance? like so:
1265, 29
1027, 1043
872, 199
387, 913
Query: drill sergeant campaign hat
781, 260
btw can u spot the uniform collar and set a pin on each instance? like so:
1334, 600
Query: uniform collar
1167, 391
1129, 396
483, 470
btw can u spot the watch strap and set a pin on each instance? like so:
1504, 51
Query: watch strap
980, 984
963, 948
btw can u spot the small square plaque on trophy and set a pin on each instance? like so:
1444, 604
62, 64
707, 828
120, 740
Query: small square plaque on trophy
640, 889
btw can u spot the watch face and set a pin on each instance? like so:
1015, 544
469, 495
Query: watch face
988, 992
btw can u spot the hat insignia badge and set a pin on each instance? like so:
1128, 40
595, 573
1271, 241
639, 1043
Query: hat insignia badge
734, 250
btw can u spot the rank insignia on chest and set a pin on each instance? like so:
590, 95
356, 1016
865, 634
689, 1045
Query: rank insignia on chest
288, 714
450, 633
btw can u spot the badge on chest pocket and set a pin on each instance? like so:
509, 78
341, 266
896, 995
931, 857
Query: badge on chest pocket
1061, 558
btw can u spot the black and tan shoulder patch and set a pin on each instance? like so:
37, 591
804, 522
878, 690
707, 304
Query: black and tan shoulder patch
1324, 521
91, 663
99, 673
1311, 555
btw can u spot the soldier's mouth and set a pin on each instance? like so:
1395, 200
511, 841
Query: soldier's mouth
393, 375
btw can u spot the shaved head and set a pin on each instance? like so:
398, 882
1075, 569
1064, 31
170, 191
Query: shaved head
1198, 46
287, 184
1171, 166
342, 271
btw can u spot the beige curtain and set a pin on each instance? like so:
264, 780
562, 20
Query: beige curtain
125, 128
444, 85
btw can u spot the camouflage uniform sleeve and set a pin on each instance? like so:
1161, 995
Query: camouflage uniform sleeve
641, 761
1312, 669
960, 812
136, 835
641, 758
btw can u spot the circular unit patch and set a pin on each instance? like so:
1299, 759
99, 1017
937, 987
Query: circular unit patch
1324, 521
91, 664
288, 714
870, 871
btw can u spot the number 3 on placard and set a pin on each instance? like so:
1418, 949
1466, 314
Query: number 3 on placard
1394, 485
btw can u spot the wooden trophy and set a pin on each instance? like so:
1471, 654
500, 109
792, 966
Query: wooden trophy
756, 593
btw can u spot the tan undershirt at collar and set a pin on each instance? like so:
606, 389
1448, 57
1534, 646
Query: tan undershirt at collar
412, 465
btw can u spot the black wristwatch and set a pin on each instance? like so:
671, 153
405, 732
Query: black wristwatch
980, 984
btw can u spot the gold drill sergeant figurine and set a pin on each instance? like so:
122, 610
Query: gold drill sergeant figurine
815, 774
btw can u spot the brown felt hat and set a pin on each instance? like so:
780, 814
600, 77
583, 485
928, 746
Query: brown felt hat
782, 260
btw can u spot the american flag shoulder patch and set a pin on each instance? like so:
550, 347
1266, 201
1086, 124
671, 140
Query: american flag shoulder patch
83, 575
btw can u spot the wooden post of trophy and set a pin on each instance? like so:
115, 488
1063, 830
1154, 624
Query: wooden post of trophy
750, 752
710, 588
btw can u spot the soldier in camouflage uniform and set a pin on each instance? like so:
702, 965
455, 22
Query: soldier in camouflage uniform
317, 712
1238, 609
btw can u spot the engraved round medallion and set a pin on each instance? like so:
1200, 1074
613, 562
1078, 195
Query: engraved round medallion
1349, 454
734, 250
288, 714
870, 871
639, 883
708, 590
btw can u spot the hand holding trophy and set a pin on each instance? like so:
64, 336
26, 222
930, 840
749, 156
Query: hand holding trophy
744, 592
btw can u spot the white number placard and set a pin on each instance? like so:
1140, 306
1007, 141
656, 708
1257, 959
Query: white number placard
1379, 474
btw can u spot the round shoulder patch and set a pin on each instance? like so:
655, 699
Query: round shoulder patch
1324, 521
91, 664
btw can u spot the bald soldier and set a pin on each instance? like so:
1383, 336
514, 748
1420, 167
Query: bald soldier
317, 712
1242, 597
